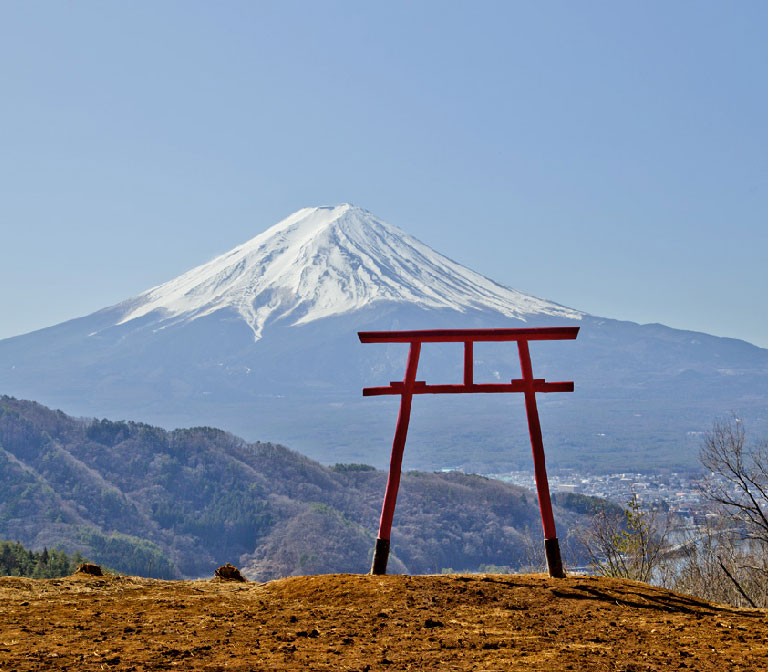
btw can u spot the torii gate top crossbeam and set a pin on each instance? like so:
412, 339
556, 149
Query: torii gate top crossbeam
464, 335
468, 337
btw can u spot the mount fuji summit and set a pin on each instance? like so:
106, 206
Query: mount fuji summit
324, 262
262, 341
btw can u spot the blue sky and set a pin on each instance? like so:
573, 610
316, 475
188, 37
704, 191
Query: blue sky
608, 156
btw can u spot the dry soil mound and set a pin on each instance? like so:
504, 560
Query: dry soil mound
350, 622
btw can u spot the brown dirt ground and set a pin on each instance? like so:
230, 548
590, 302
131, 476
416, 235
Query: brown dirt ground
349, 622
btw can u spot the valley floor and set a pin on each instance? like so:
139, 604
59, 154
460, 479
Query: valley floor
366, 623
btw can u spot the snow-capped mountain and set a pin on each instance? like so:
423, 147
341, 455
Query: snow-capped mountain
262, 341
326, 261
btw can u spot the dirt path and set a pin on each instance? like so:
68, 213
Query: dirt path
366, 623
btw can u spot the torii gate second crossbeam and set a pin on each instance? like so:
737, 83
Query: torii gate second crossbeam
409, 386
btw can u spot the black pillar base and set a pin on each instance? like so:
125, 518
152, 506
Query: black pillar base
380, 557
554, 562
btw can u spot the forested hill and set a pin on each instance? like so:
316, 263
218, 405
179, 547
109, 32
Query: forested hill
151, 502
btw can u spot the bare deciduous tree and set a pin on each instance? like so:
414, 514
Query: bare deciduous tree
738, 487
626, 545
739, 481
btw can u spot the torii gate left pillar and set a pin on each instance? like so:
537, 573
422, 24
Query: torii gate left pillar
528, 385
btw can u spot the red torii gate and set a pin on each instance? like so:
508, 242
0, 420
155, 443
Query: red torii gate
409, 386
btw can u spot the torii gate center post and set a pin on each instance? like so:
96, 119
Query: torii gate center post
409, 386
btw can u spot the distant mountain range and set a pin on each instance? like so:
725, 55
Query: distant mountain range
262, 341
145, 501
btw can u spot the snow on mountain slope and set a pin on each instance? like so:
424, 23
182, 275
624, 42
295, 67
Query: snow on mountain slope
326, 261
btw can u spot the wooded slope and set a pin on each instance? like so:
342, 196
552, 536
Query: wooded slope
150, 502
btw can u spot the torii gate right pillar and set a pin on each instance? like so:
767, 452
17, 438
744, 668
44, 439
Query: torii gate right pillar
551, 544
